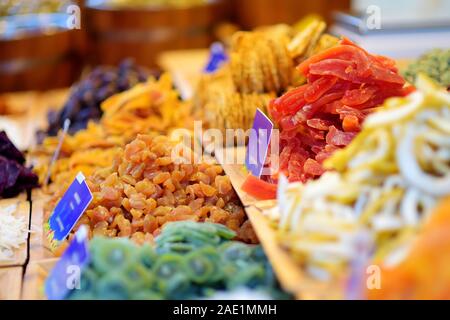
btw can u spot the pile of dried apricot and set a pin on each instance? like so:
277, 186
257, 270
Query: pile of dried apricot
147, 187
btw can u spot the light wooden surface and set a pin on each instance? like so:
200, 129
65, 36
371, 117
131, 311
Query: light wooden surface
186, 67
38, 249
10, 283
236, 173
23, 210
34, 279
30, 114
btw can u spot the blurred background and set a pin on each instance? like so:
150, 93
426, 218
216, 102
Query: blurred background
47, 44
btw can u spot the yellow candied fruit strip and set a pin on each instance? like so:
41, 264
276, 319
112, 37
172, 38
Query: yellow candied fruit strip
378, 204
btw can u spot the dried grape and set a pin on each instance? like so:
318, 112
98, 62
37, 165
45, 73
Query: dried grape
151, 107
14, 176
86, 97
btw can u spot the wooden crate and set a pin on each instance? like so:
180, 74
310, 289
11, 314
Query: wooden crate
143, 33
253, 13
46, 60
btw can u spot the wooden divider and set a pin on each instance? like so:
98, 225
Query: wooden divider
291, 275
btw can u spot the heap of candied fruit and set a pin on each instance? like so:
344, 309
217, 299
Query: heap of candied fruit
147, 187
344, 85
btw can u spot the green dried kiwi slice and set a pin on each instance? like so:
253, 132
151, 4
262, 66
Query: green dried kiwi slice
175, 287
169, 238
175, 248
188, 232
253, 276
168, 265
207, 292
112, 254
147, 256
199, 266
171, 228
199, 238
175, 227
170, 272
229, 269
225, 232
258, 254
147, 295
213, 256
270, 279
216, 230
234, 251
113, 286
88, 280
138, 277
81, 295
96, 244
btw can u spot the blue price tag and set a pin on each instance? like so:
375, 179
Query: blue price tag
70, 208
258, 144
66, 274
217, 58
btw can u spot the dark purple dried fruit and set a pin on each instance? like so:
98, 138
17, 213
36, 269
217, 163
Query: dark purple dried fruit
84, 101
14, 177
9, 150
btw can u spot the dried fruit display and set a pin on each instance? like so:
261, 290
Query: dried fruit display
86, 97
189, 261
260, 62
234, 110
152, 183
263, 61
262, 65
148, 107
14, 176
345, 84
386, 182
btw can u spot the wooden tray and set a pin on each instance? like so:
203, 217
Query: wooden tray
28, 114
10, 283
38, 245
23, 210
186, 68
34, 279
237, 174
290, 274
